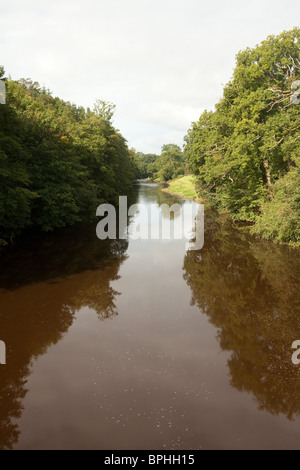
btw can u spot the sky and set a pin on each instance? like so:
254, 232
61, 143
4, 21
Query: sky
162, 62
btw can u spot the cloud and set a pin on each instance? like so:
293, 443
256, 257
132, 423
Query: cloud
161, 61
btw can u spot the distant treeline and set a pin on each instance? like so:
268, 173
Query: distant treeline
246, 154
58, 162
164, 167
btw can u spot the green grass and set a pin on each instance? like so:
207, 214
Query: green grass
184, 186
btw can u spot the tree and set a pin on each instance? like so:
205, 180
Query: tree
104, 109
241, 150
58, 162
170, 164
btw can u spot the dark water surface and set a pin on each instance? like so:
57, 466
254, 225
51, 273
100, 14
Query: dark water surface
141, 344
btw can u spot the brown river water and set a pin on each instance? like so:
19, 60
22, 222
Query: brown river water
141, 344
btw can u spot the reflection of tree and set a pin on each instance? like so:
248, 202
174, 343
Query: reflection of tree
93, 287
250, 290
11, 392
42, 284
28, 332
171, 212
150, 193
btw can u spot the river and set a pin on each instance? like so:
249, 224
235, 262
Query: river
142, 344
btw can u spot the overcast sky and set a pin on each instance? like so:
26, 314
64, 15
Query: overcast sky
162, 62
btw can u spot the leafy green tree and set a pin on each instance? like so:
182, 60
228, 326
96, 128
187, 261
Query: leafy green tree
144, 164
170, 164
104, 109
241, 150
279, 216
58, 162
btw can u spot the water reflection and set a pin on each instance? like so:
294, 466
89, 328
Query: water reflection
250, 291
163, 216
42, 285
154, 378
150, 193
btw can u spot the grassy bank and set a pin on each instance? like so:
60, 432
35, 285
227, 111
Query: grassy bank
184, 186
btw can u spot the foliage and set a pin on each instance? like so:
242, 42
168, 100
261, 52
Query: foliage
243, 152
57, 161
143, 163
280, 215
170, 164
164, 167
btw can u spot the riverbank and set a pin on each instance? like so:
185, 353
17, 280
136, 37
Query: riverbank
183, 186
